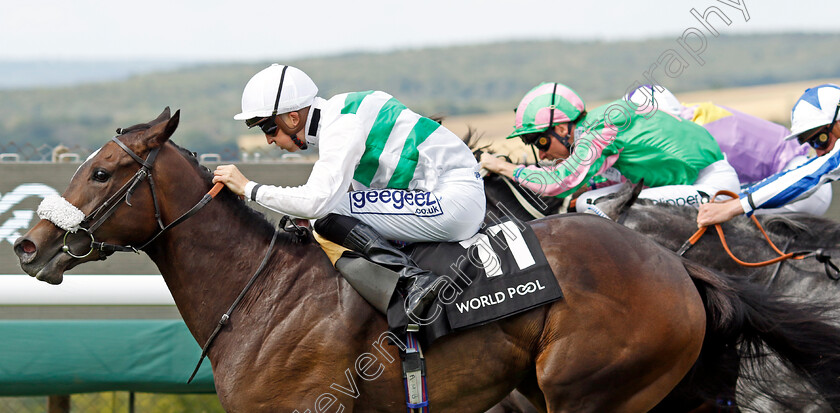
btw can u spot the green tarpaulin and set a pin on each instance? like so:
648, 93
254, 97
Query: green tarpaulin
40, 357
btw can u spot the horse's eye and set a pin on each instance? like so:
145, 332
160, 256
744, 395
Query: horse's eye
101, 175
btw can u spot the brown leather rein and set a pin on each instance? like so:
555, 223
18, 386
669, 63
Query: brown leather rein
819, 254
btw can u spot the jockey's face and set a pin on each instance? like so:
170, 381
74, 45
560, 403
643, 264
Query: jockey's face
557, 150
280, 138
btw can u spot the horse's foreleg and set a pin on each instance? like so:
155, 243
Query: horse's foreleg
535, 399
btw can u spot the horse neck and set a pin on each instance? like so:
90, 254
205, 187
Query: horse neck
208, 259
502, 201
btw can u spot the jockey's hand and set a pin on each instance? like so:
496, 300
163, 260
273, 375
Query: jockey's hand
497, 165
231, 177
718, 212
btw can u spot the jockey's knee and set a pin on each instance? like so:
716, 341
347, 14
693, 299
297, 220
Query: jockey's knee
335, 227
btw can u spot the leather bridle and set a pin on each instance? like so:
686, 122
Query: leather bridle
107, 209
125, 192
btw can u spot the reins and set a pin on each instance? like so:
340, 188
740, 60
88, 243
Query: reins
781, 255
288, 225
529, 208
226, 316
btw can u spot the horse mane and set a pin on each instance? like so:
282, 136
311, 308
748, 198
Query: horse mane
472, 138
807, 228
134, 128
811, 230
796, 224
253, 219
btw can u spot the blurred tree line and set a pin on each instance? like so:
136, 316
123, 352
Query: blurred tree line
444, 81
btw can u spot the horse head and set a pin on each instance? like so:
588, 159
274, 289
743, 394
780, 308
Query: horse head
107, 205
618, 203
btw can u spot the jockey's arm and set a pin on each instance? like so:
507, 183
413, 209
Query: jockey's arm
339, 152
788, 186
776, 190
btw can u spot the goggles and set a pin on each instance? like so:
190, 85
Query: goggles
821, 139
540, 140
267, 125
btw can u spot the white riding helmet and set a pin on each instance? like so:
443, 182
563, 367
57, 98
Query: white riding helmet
276, 89
664, 99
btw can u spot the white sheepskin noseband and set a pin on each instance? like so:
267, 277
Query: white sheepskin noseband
59, 211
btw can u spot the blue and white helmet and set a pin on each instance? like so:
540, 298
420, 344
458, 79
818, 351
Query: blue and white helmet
816, 107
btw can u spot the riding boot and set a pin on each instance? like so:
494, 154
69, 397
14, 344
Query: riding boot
419, 285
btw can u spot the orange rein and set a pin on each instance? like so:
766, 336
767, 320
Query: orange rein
215, 190
782, 256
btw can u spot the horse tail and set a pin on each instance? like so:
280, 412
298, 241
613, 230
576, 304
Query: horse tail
743, 320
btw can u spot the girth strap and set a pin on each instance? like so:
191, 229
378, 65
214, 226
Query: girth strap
414, 374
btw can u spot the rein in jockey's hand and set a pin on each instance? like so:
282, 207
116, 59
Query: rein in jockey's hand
718, 212
231, 177
497, 165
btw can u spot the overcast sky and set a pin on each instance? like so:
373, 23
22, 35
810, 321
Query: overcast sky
271, 29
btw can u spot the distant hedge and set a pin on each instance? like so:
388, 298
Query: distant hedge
448, 81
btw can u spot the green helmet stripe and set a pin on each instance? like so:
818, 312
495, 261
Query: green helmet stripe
544, 101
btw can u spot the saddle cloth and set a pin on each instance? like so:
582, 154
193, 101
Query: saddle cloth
499, 272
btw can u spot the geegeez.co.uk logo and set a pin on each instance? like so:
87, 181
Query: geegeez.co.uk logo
395, 202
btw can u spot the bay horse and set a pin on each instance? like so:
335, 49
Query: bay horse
805, 280
631, 324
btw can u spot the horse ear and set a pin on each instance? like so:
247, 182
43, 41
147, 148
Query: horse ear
161, 132
163, 116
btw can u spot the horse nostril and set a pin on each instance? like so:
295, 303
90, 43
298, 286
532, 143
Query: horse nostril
24, 247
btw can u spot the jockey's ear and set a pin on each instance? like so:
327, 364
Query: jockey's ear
158, 134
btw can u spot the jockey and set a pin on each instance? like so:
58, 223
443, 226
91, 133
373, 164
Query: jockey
755, 147
813, 121
678, 160
413, 180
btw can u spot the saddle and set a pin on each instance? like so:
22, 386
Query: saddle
499, 272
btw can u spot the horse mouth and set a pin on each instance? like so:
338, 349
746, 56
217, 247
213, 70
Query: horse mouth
52, 271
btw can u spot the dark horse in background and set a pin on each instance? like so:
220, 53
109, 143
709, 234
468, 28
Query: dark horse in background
804, 280
632, 322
